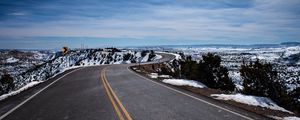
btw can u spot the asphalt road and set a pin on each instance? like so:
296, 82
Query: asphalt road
113, 92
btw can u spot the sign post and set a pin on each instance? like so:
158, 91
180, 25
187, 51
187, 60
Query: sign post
140, 60
65, 50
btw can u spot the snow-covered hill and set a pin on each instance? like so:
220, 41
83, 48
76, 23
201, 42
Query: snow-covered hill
15, 62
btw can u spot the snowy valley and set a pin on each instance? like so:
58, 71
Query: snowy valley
286, 59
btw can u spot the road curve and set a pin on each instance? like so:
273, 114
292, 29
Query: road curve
113, 92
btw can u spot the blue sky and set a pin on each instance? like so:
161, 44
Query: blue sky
98, 23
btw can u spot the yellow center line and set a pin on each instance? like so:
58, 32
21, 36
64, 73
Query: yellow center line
110, 97
117, 99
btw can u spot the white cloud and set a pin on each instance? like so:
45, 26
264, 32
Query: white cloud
264, 20
17, 13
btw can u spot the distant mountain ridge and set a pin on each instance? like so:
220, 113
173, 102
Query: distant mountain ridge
290, 43
221, 45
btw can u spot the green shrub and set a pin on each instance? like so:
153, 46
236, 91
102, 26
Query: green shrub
213, 74
144, 53
295, 96
151, 55
189, 68
126, 56
262, 80
208, 71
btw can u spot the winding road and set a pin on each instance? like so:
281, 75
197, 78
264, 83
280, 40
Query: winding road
114, 92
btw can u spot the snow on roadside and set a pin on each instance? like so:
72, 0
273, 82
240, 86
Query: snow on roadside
184, 82
164, 76
291, 118
29, 85
155, 75
285, 118
32, 84
250, 100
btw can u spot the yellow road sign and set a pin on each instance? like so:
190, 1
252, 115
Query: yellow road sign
65, 50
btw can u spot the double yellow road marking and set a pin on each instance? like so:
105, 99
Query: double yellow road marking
118, 106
